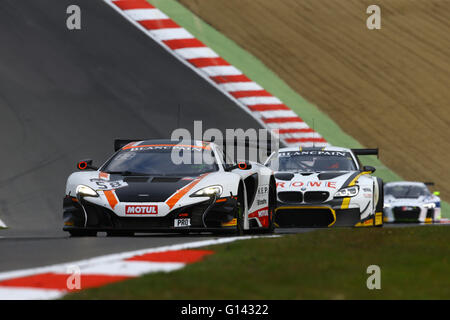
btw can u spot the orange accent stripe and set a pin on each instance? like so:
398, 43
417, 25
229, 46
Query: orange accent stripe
103, 175
221, 200
166, 145
172, 201
111, 197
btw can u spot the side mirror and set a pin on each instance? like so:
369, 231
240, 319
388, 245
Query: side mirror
85, 164
437, 193
369, 168
243, 165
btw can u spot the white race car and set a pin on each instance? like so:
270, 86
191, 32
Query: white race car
142, 189
407, 201
324, 187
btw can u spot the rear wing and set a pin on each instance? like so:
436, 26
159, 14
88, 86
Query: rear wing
120, 143
366, 152
429, 183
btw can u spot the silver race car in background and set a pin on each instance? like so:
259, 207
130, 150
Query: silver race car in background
141, 189
324, 187
408, 201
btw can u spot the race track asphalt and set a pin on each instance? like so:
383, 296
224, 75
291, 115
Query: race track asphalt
64, 96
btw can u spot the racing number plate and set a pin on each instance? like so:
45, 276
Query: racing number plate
182, 222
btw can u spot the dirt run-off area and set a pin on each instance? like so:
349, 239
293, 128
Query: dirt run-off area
388, 88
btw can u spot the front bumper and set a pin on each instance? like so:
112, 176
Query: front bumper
204, 216
410, 214
311, 216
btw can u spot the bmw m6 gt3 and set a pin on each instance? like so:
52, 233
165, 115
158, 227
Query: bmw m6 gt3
324, 187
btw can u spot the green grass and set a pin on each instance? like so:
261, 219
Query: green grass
260, 73
325, 264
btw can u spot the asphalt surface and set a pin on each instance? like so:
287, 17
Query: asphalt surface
64, 96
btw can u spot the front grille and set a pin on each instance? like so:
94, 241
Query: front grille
304, 217
316, 196
411, 214
290, 196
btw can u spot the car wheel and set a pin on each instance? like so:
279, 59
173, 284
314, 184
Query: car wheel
272, 206
240, 208
380, 204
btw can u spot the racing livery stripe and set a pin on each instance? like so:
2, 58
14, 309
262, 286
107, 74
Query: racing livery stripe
172, 201
247, 94
111, 197
103, 175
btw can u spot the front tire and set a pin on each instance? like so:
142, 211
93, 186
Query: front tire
239, 213
272, 207
380, 204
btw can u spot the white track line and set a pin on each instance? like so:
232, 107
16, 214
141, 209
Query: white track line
116, 257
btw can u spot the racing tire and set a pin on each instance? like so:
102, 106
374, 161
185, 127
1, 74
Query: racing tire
240, 208
380, 204
272, 206
82, 233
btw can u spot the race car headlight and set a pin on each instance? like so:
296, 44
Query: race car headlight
209, 192
347, 192
429, 205
86, 191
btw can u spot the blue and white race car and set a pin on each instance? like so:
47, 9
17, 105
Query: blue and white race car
408, 201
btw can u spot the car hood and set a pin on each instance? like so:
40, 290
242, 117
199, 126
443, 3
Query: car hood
407, 201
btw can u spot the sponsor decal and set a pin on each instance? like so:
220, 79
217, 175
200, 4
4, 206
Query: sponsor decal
263, 189
166, 147
261, 202
185, 222
314, 153
139, 209
263, 213
314, 184
108, 185
280, 184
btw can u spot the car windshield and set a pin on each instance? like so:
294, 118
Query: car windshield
168, 160
307, 161
406, 191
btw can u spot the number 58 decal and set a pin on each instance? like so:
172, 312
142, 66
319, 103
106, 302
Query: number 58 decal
109, 185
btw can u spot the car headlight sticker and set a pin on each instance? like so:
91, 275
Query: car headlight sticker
347, 192
210, 191
86, 191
